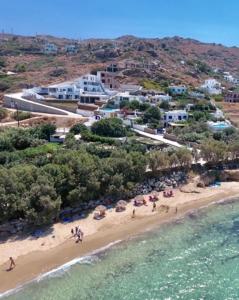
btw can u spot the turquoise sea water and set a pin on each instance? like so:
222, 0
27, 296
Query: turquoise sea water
193, 258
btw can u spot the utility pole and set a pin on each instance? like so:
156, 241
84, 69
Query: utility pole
18, 122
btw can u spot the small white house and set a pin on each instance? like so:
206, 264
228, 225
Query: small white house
175, 116
177, 90
211, 87
50, 48
197, 95
71, 49
160, 98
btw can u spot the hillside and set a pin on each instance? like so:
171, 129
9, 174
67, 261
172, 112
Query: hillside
168, 60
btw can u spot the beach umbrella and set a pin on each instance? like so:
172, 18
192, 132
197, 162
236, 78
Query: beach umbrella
101, 208
121, 203
139, 200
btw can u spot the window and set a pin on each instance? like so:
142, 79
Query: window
170, 117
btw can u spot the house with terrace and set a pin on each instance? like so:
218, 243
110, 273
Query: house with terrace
175, 116
50, 48
176, 90
211, 87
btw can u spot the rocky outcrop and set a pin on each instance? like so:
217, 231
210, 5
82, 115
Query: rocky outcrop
175, 179
229, 175
211, 177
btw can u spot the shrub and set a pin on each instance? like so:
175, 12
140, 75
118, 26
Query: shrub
58, 72
111, 127
78, 128
90, 137
3, 113
4, 85
20, 68
21, 115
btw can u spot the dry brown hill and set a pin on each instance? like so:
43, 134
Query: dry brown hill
165, 61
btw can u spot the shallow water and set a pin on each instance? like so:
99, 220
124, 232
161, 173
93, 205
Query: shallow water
194, 258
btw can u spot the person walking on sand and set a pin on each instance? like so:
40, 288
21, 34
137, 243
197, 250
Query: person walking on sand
176, 210
80, 235
76, 230
133, 213
154, 207
12, 263
72, 231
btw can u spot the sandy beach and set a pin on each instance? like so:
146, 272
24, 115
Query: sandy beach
37, 256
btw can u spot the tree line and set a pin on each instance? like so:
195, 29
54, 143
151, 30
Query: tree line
38, 179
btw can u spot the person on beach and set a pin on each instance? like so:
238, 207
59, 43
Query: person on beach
176, 210
82, 235
76, 230
72, 231
133, 213
154, 207
12, 264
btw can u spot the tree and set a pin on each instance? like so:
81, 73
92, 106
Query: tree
158, 160
45, 131
70, 141
134, 104
111, 127
78, 128
184, 157
234, 149
152, 115
3, 113
164, 105
144, 106
214, 151
44, 203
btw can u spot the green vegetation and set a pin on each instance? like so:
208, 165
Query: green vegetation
112, 127
152, 116
21, 115
9, 82
20, 68
2, 62
134, 105
58, 72
3, 113
78, 128
151, 85
38, 178
51, 177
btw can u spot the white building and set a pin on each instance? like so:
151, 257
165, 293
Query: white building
228, 77
86, 89
160, 98
211, 87
175, 116
177, 90
71, 49
197, 95
50, 48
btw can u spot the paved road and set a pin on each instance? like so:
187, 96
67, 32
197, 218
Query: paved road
160, 138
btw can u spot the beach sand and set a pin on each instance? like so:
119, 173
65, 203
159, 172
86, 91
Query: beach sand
37, 256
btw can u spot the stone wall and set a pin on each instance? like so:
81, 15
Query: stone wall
26, 105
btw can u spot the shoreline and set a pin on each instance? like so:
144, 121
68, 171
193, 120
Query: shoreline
103, 234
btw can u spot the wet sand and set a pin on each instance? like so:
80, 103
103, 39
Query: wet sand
37, 256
